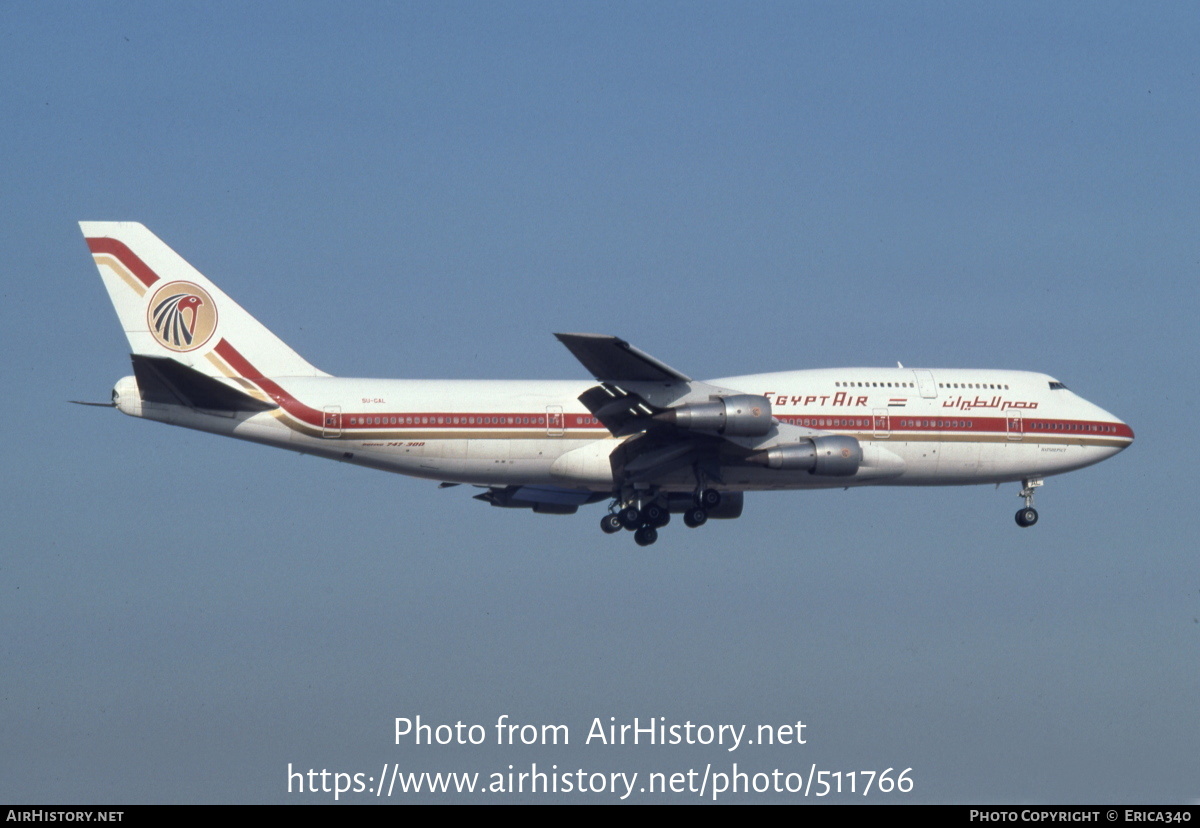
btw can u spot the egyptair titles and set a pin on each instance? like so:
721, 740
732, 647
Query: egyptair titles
964, 404
843, 400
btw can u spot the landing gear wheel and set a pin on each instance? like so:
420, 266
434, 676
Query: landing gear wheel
1027, 517
655, 515
610, 524
694, 517
709, 499
646, 536
630, 517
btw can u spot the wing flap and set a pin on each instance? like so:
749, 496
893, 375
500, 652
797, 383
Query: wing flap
618, 410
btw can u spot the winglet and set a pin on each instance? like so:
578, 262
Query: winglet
614, 360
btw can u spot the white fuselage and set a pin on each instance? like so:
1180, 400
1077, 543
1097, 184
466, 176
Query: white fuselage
917, 427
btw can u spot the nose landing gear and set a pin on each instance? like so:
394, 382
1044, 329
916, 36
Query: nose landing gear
1028, 515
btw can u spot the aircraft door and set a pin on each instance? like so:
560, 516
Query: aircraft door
883, 427
331, 425
926, 384
1015, 429
554, 421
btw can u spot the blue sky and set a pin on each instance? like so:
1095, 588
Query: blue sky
431, 190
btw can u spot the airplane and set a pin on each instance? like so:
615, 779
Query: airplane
642, 435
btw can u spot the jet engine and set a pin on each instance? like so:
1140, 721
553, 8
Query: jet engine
833, 455
738, 415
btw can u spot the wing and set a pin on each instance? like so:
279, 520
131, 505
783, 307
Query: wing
673, 421
615, 360
618, 365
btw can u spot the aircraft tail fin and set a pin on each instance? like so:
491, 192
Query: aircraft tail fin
169, 309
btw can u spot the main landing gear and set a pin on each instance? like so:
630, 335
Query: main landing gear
1028, 515
644, 514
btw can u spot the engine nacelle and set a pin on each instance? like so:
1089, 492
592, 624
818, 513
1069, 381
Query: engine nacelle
833, 455
796, 457
837, 455
738, 415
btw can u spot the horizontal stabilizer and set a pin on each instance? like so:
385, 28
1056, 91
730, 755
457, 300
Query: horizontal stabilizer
167, 382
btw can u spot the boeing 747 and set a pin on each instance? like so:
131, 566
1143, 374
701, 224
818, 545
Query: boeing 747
641, 435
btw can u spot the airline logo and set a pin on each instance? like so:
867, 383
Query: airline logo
182, 316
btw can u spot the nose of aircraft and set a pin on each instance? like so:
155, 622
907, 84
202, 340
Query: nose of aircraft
1121, 430
1119, 436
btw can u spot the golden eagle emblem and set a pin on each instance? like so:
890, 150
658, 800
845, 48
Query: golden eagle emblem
182, 316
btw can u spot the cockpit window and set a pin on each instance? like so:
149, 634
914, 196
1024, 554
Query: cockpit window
1057, 386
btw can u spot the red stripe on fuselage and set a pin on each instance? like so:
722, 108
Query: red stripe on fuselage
276, 392
457, 419
356, 421
125, 256
911, 423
